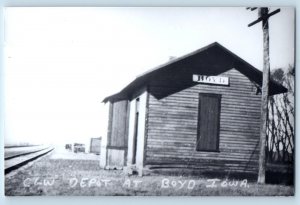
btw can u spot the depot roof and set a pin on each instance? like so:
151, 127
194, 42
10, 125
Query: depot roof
213, 59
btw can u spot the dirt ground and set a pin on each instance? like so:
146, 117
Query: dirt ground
66, 173
61, 153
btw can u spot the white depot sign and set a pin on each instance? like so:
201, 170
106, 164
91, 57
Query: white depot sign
218, 80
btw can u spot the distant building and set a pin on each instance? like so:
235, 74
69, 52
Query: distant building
199, 112
95, 145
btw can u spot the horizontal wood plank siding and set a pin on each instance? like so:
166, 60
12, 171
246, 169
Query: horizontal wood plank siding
119, 125
172, 128
117, 142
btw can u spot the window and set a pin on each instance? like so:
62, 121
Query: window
208, 122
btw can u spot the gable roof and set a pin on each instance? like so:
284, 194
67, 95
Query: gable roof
209, 60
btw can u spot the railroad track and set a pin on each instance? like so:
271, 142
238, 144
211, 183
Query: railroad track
20, 156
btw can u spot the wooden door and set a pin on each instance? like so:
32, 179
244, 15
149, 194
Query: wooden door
208, 122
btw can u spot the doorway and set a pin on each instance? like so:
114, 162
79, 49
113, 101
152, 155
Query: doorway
208, 122
135, 134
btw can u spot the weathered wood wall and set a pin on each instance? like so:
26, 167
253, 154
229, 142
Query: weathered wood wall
117, 135
119, 122
172, 128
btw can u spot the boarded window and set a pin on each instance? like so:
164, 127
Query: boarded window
208, 122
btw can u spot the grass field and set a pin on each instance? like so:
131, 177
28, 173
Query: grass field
84, 177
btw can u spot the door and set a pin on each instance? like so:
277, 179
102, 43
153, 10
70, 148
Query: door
208, 122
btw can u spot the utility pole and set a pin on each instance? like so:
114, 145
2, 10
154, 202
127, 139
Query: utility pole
264, 15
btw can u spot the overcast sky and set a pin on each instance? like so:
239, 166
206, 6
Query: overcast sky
61, 62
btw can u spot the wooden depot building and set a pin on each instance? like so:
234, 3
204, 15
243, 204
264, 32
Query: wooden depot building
199, 112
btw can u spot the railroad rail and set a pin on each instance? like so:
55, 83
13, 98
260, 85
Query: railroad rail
15, 159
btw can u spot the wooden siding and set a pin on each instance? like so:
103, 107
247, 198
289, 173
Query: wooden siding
172, 128
117, 135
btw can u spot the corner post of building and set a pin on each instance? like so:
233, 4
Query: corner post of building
131, 120
140, 156
105, 140
136, 134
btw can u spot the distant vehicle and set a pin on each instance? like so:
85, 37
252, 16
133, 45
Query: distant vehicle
68, 147
79, 147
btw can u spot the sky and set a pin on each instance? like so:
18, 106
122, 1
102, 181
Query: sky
60, 63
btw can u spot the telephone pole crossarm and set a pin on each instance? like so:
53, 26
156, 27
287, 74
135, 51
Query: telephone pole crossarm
264, 17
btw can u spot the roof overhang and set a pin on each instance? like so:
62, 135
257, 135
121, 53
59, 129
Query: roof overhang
213, 59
